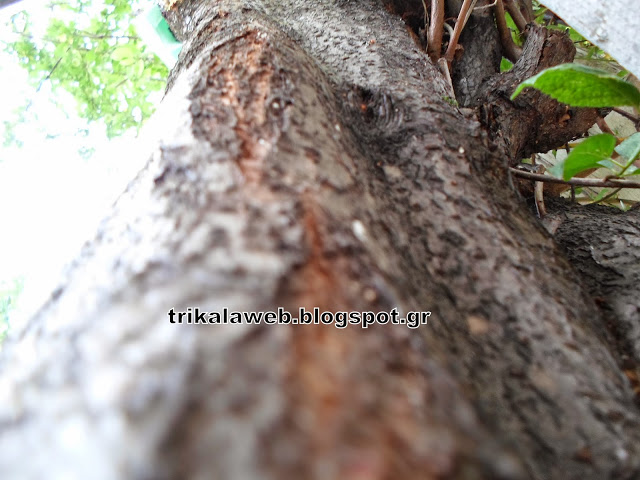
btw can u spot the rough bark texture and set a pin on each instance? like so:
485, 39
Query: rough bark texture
311, 158
604, 244
533, 122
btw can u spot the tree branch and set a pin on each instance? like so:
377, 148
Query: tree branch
510, 49
581, 182
633, 118
516, 15
434, 36
100, 37
463, 17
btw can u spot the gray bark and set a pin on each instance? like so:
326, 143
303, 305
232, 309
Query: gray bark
6, 3
604, 245
311, 158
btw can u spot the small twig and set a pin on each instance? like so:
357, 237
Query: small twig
486, 7
444, 69
124, 80
48, 77
516, 15
511, 50
83, 33
538, 189
449, 29
580, 182
602, 125
51, 72
426, 13
434, 35
539, 198
461, 21
528, 10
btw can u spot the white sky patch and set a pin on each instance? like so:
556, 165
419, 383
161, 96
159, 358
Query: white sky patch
51, 199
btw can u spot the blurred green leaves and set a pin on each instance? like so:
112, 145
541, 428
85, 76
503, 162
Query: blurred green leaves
91, 50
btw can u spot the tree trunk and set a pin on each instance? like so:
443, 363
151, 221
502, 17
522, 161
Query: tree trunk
311, 157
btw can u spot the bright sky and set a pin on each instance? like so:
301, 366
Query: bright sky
51, 199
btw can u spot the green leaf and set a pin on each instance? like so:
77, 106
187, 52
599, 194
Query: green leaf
632, 170
582, 86
123, 52
630, 148
586, 155
517, 38
603, 193
505, 65
610, 164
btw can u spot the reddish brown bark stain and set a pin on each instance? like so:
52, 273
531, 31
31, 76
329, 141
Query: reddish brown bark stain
319, 281
246, 78
336, 375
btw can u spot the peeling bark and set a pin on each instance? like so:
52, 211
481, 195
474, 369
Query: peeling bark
311, 159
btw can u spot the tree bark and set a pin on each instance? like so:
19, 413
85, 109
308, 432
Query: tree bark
6, 3
603, 245
311, 157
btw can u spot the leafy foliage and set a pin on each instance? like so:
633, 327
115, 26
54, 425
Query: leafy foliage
587, 155
629, 150
91, 50
582, 86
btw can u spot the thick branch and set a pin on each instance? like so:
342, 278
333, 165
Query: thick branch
535, 123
